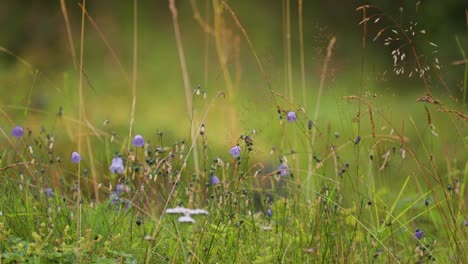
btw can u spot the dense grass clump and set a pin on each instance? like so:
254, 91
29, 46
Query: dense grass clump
270, 213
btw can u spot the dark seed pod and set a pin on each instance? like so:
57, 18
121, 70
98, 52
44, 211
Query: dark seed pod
139, 221
357, 140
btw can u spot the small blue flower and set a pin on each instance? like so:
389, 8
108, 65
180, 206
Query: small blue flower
418, 233
269, 212
235, 151
465, 223
214, 180
117, 165
138, 141
49, 192
17, 131
114, 198
283, 169
291, 117
76, 158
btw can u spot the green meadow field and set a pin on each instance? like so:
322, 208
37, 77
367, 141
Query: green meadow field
233, 132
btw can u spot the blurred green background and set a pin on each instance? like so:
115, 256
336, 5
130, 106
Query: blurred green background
35, 31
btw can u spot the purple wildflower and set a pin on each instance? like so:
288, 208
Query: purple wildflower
117, 165
114, 198
49, 192
214, 180
235, 151
76, 158
269, 212
17, 131
291, 117
283, 169
418, 233
138, 141
119, 189
465, 223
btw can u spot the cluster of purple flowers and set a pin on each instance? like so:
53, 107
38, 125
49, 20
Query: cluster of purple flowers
117, 163
116, 197
116, 166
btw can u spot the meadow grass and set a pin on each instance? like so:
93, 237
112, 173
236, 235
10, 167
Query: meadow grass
360, 176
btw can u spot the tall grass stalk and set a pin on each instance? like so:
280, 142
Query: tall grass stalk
186, 79
134, 72
80, 130
193, 145
289, 78
219, 29
465, 73
323, 76
71, 44
301, 53
108, 46
309, 147
288, 61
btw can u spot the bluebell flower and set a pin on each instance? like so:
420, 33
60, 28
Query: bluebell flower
138, 141
214, 180
283, 169
117, 165
235, 151
291, 117
418, 233
269, 212
76, 158
49, 192
17, 131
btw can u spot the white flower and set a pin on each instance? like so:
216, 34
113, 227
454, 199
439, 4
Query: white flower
185, 211
186, 219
